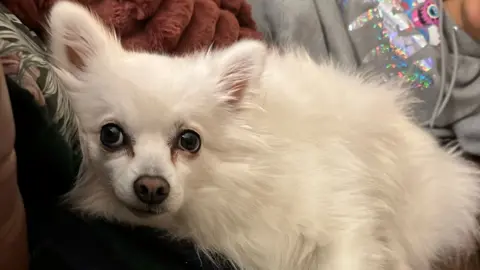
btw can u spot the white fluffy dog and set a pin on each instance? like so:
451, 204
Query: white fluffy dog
266, 157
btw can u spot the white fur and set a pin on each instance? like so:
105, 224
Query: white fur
302, 167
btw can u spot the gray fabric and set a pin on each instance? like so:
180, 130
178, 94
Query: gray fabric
464, 107
322, 27
321, 33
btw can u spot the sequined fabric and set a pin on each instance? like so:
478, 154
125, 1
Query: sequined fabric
401, 29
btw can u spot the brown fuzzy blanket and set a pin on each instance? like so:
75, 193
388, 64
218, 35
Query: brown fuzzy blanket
171, 26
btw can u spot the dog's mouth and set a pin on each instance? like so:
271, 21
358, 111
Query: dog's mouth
143, 210
147, 211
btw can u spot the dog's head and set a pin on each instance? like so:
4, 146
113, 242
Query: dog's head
152, 127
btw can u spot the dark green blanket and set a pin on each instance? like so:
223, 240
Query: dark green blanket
59, 239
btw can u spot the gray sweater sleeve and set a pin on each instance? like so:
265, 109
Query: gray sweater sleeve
463, 108
316, 25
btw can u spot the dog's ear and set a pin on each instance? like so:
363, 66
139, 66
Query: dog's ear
77, 36
240, 66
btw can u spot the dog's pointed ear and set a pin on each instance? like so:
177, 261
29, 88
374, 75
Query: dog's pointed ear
240, 66
77, 36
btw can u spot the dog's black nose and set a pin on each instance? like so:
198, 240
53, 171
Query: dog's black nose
151, 190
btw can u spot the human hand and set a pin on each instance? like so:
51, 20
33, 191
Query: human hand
472, 14
466, 14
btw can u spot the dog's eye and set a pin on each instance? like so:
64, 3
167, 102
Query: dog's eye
189, 140
112, 136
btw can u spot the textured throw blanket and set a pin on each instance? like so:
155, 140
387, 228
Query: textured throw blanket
171, 26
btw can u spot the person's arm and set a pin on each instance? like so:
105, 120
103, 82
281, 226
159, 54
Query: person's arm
466, 14
13, 237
